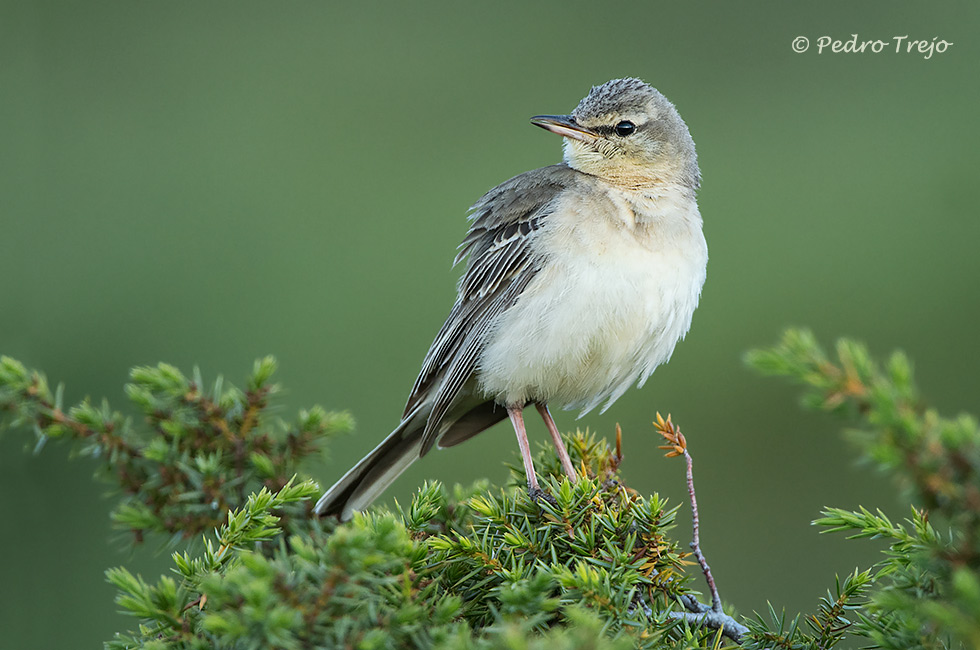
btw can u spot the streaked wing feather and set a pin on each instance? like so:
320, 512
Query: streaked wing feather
462, 364
499, 267
453, 354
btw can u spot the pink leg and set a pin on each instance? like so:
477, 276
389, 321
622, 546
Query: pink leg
566, 462
516, 414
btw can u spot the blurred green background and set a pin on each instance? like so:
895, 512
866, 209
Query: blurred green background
206, 183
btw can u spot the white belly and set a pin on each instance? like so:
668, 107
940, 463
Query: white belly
608, 308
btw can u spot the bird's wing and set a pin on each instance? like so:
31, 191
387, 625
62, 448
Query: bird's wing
500, 264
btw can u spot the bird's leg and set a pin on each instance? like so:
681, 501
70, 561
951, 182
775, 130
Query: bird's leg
516, 414
566, 462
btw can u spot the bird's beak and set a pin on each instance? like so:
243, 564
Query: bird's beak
565, 126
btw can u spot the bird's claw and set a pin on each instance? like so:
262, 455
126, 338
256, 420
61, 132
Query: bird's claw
537, 494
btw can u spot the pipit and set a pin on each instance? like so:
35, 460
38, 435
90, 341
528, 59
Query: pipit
580, 279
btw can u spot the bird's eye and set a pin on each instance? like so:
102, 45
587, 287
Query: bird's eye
625, 128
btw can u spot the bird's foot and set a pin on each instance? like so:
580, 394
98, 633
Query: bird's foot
537, 494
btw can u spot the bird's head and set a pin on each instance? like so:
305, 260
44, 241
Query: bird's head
627, 133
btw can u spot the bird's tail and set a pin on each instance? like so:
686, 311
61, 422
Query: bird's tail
365, 482
374, 473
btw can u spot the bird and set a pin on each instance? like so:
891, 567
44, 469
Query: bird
579, 280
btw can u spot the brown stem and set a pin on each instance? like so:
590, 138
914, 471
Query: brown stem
696, 542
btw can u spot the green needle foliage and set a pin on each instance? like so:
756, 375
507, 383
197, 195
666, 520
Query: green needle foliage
199, 453
593, 565
926, 592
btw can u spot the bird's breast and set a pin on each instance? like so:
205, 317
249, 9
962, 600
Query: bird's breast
618, 283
